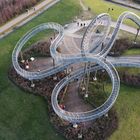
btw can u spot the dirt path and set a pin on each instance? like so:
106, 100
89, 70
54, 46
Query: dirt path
73, 102
40, 64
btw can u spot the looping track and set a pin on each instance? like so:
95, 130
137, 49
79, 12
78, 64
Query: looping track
86, 54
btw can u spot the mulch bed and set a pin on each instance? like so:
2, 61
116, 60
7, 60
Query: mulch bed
129, 79
121, 45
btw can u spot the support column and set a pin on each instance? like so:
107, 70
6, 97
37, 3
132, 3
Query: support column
32, 84
138, 29
88, 77
21, 55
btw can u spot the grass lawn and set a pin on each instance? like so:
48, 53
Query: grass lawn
24, 116
132, 52
128, 110
101, 6
133, 71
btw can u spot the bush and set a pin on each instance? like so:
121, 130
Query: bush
131, 80
121, 45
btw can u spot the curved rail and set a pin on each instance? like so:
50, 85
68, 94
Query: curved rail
122, 17
47, 72
93, 114
92, 32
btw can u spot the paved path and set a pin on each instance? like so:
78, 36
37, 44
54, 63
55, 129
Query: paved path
126, 28
73, 27
126, 3
33, 12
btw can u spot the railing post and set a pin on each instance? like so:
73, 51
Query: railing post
138, 29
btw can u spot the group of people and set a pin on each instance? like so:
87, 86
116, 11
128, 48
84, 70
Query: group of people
81, 24
110, 9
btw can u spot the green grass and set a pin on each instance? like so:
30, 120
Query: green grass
128, 111
132, 52
133, 71
127, 106
101, 6
97, 95
24, 116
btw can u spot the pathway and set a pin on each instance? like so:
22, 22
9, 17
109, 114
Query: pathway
25, 17
126, 3
41, 63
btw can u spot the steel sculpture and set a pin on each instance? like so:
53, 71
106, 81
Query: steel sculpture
90, 51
